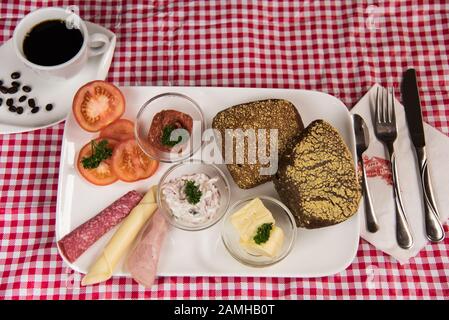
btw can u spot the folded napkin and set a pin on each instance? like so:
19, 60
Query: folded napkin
380, 182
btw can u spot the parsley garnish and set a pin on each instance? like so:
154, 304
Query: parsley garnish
100, 152
263, 233
166, 136
192, 192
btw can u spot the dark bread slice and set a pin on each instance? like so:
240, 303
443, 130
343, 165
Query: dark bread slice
316, 178
264, 114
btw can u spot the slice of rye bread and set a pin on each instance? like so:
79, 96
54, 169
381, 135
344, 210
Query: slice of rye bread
264, 114
316, 178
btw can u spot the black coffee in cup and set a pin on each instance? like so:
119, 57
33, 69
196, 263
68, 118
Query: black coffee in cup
50, 43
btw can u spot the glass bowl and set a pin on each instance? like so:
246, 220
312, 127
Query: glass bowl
188, 168
169, 101
283, 219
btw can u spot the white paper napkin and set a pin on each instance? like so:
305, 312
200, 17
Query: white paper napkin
437, 145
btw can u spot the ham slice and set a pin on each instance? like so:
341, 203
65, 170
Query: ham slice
143, 259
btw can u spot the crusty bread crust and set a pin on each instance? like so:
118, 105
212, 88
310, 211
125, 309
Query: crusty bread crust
264, 114
316, 178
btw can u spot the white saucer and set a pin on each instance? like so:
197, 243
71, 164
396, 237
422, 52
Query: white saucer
57, 92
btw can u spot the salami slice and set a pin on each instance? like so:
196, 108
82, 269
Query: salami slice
79, 240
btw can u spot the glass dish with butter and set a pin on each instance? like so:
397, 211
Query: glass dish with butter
259, 231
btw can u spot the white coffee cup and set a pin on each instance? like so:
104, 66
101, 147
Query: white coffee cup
93, 44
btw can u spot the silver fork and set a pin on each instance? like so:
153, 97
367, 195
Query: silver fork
386, 131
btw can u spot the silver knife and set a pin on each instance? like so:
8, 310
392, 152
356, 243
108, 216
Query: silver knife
412, 104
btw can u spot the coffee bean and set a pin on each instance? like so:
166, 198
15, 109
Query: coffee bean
9, 102
1, 101
3, 89
32, 103
19, 110
35, 110
22, 98
12, 109
49, 107
15, 84
12, 90
1, 82
15, 75
26, 88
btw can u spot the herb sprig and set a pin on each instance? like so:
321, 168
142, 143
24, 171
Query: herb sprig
166, 136
100, 152
263, 233
193, 192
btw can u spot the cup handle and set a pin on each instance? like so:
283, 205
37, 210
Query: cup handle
98, 44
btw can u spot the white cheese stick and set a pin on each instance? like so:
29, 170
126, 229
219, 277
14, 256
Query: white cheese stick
120, 242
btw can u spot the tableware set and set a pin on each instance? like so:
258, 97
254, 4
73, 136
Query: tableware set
385, 129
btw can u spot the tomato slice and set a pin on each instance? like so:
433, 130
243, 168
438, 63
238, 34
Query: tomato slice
130, 163
120, 130
97, 104
104, 173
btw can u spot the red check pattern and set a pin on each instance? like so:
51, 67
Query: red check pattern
339, 47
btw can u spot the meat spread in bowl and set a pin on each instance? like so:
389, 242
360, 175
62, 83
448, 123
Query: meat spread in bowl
170, 129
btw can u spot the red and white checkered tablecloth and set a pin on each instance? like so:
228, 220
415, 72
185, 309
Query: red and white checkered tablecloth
339, 47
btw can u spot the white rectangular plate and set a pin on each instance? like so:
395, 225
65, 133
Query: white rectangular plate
318, 252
